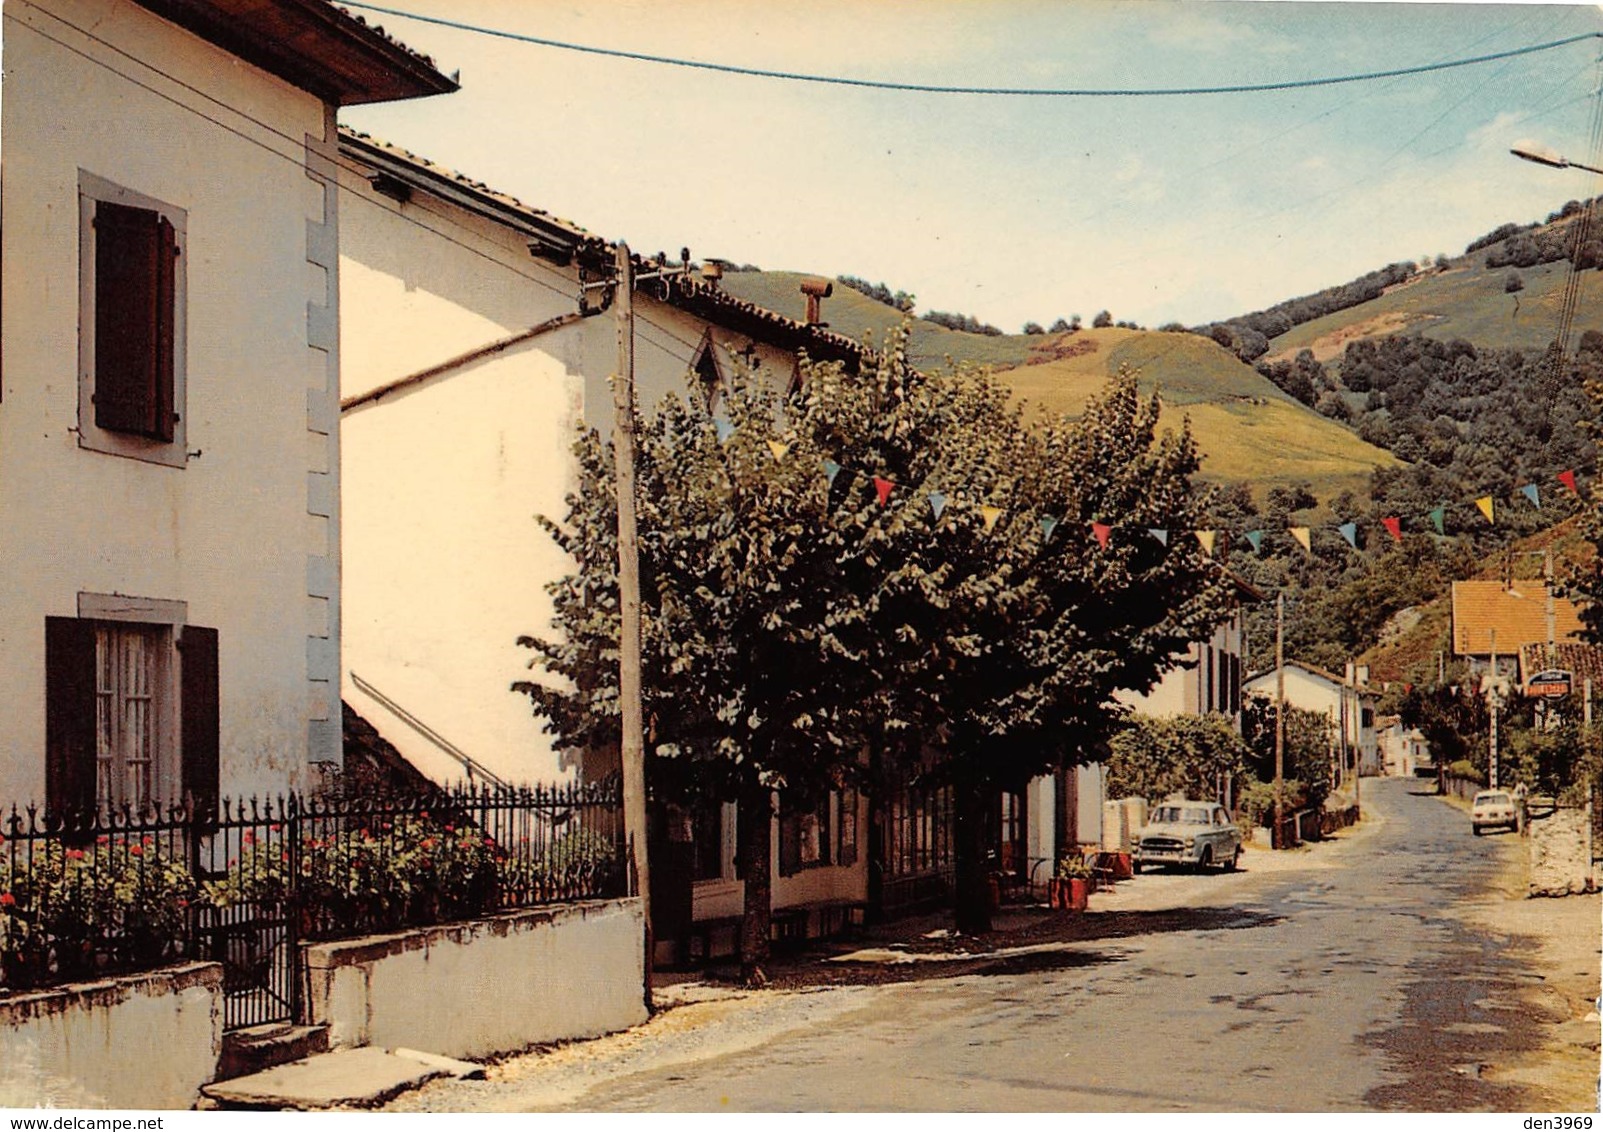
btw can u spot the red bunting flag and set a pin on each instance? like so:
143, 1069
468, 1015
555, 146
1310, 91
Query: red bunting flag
1394, 525
1567, 478
1102, 531
882, 488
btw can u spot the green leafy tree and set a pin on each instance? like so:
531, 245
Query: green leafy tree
999, 637
1306, 759
1195, 756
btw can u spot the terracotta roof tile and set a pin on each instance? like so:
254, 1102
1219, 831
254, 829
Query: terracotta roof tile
1582, 661
1519, 617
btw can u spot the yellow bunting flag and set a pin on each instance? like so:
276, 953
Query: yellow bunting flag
1303, 535
990, 515
1485, 504
1206, 539
779, 450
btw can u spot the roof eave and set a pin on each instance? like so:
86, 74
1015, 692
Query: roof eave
311, 45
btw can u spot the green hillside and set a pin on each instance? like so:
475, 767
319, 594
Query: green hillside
1467, 301
1248, 431
854, 314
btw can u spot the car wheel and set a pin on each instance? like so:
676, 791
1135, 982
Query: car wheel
1479, 831
1235, 859
1205, 862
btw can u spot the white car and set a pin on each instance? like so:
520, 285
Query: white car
1196, 835
1493, 808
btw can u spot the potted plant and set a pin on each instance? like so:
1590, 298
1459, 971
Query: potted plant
1071, 887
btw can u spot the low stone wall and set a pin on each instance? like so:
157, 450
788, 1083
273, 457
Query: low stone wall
145, 1041
1561, 853
487, 986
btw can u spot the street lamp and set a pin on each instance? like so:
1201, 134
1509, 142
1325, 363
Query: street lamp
1528, 150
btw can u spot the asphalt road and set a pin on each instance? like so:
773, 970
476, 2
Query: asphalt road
1338, 979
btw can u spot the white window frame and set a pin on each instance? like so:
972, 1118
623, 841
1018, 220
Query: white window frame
174, 453
160, 620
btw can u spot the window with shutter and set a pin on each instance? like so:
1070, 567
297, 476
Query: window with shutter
131, 382
110, 715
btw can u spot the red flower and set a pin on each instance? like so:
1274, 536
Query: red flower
137, 850
7, 900
428, 843
182, 903
424, 815
450, 829
283, 856
103, 840
74, 854
250, 838
274, 828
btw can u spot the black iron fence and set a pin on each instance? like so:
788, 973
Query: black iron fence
132, 889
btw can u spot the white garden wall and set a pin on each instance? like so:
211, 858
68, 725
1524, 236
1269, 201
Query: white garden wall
487, 986
146, 1041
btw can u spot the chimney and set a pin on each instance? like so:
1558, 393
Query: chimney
816, 288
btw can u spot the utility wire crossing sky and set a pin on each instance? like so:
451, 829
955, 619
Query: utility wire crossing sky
1114, 175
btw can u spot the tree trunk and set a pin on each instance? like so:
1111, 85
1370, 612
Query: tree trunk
970, 845
755, 809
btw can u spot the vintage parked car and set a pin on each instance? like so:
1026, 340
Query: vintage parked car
1493, 808
1197, 835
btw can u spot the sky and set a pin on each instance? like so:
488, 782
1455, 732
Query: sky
1188, 208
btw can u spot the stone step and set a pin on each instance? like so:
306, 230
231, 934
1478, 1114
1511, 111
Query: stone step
347, 1078
256, 1048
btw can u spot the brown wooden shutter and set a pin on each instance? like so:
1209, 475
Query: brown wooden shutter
69, 716
200, 727
135, 275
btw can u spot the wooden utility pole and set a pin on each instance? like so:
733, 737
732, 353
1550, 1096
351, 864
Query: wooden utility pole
633, 745
1280, 715
1491, 701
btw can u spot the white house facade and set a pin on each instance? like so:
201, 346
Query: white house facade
169, 458
1347, 703
471, 356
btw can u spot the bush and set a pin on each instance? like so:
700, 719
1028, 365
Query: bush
129, 898
1467, 770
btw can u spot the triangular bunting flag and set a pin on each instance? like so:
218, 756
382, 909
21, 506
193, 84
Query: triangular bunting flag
990, 515
1255, 540
1159, 534
1485, 504
1349, 531
1567, 478
882, 488
831, 469
1303, 535
779, 450
1102, 531
1453, 689
1206, 539
937, 503
1394, 527
1533, 493
1048, 525
724, 429
1437, 515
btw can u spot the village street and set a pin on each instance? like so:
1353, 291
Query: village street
1394, 969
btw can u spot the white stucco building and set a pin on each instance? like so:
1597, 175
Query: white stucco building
169, 458
469, 362
1347, 703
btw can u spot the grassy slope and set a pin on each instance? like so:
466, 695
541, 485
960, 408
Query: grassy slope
1247, 429
854, 314
1467, 301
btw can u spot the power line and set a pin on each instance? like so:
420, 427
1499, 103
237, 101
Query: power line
934, 88
295, 159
